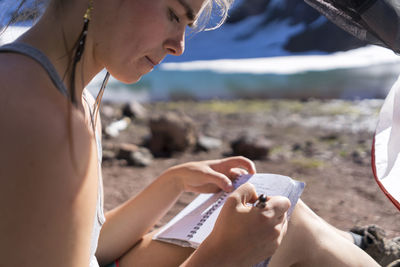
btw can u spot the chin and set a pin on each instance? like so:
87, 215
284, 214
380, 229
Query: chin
128, 79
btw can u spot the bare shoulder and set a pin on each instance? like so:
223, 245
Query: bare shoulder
46, 170
36, 116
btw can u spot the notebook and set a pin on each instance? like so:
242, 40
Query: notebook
194, 223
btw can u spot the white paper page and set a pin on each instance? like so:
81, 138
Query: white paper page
196, 221
278, 185
184, 222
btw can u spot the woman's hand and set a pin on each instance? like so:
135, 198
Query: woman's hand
210, 176
245, 235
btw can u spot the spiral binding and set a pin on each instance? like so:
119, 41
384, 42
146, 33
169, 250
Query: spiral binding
236, 183
208, 213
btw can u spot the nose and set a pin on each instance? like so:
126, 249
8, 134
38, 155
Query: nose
175, 45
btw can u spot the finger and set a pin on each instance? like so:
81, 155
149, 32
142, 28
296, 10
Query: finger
220, 180
243, 163
236, 172
285, 224
237, 162
278, 204
281, 219
206, 188
246, 193
283, 229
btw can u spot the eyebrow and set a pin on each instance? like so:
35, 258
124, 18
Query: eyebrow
189, 10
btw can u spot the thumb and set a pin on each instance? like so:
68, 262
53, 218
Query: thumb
246, 193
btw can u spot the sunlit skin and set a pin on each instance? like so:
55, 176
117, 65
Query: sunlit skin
133, 50
49, 167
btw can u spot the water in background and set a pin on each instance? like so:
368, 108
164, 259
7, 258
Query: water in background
362, 73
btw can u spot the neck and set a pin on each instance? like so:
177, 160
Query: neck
56, 35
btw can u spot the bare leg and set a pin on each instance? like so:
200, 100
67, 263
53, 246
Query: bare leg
310, 241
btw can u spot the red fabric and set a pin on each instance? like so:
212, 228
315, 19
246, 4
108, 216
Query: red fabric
117, 263
394, 201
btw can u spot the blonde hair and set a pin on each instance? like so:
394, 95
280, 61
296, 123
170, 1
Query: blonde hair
202, 22
206, 13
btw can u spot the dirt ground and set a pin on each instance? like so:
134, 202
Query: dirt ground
323, 143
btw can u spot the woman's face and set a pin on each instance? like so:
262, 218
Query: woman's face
130, 37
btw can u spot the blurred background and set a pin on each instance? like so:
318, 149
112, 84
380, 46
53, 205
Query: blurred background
277, 50
266, 49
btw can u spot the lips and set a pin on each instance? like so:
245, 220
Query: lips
153, 61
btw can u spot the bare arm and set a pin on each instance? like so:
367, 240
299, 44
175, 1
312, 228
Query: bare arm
128, 223
47, 203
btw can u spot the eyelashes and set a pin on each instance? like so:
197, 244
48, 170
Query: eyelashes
172, 16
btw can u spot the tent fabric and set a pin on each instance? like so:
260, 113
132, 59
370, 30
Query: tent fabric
386, 146
376, 22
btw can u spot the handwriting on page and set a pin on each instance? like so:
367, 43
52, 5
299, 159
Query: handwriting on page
274, 186
271, 185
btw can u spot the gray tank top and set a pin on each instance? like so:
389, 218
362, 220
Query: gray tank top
27, 50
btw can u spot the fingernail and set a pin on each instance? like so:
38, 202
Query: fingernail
229, 187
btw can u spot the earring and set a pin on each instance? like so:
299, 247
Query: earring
81, 48
82, 37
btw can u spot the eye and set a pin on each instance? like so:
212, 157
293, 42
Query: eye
172, 16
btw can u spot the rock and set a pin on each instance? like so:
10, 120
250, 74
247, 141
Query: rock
108, 155
207, 143
251, 147
141, 157
308, 148
115, 127
329, 137
316, 33
358, 157
171, 132
310, 39
108, 112
246, 9
134, 110
296, 147
125, 149
135, 155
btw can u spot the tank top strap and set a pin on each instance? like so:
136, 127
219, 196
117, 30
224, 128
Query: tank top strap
37, 55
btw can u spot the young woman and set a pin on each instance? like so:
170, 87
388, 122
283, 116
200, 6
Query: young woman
50, 175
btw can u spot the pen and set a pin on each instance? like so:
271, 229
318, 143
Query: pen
261, 201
